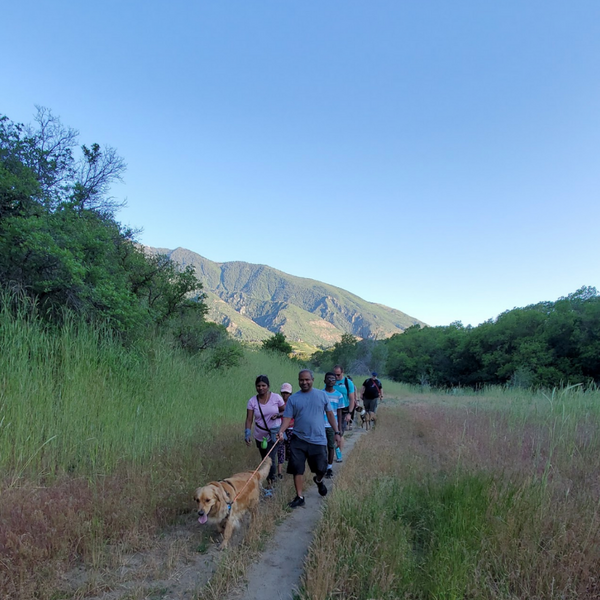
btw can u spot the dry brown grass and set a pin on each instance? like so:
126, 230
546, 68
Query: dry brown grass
123, 531
537, 529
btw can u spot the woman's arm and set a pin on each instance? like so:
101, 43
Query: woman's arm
248, 431
280, 405
249, 418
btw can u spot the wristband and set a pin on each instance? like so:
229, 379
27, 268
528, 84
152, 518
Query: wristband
337, 433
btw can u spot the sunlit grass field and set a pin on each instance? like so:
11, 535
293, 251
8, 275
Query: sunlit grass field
454, 495
492, 495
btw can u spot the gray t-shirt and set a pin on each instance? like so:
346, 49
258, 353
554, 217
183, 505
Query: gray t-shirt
306, 408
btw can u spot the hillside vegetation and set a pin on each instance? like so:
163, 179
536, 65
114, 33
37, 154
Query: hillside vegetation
308, 312
64, 255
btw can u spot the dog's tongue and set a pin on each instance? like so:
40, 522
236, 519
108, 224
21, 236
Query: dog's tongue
202, 519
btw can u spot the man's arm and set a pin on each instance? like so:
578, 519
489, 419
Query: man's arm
352, 398
285, 423
331, 419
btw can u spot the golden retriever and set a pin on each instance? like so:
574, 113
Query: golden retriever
216, 503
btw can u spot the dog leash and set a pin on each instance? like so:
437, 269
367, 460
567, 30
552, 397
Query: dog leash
230, 504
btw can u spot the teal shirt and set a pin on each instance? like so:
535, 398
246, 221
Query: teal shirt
340, 387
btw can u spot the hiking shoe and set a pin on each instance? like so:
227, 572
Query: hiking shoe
297, 501
321, 486
329, 474
268, 493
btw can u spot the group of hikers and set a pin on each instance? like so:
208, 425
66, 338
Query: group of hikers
308, 426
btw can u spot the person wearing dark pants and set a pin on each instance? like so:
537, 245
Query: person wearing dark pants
309, 442
265, 410
371, 392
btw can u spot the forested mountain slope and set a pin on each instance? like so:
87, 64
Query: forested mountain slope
255, 301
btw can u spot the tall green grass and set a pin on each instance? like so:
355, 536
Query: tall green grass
75, 400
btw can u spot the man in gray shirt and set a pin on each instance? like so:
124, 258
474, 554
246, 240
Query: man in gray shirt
309, 442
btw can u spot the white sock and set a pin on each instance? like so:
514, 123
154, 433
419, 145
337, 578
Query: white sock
330, 466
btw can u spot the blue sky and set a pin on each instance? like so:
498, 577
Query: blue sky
438, 157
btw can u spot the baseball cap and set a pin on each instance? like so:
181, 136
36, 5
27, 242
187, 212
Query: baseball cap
286, 387
374, 374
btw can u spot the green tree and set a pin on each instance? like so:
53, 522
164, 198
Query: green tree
545, 344
277, 343
61, 245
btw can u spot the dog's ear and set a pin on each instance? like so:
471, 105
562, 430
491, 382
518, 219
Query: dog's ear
218, 492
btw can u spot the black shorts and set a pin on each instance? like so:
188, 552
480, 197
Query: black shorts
301, 451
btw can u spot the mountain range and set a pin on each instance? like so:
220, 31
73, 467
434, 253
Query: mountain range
255, 301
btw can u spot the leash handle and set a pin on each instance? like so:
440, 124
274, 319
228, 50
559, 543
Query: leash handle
255, 471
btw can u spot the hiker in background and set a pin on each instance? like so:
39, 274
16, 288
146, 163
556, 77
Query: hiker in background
335, 398
308, 440
283, 450
344, 386
371, 392
265, 409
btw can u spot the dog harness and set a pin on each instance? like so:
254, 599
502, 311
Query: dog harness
230, 501
230, 504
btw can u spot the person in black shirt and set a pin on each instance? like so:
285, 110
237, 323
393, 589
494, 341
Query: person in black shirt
371, 392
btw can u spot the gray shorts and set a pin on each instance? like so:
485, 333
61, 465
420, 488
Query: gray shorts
371, 405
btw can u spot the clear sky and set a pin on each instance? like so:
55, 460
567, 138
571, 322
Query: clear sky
442, 158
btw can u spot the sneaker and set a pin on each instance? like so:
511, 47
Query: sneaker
297, 501
329, 474
321, 486
268, 493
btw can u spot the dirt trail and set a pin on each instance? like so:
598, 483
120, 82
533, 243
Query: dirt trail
277, 574
177, 568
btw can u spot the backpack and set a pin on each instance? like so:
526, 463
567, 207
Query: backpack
372, 388
347, 409
346, 384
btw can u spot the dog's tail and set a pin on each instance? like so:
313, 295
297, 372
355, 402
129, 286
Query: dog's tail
263, 472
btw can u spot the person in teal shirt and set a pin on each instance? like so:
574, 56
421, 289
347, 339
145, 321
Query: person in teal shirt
344, 386
335, 399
